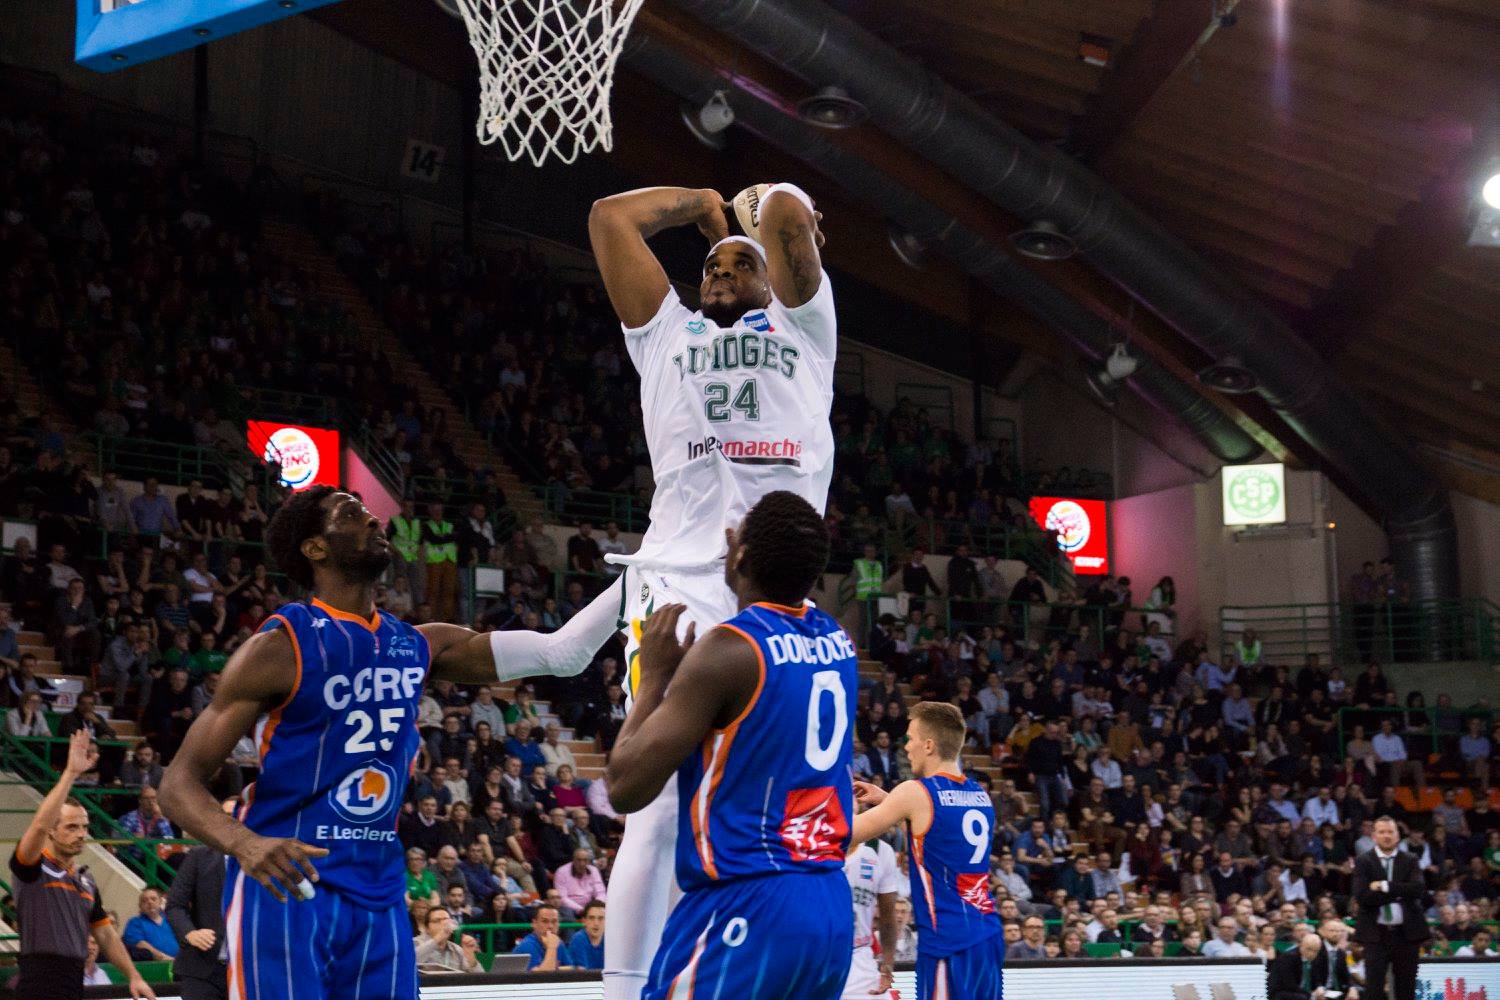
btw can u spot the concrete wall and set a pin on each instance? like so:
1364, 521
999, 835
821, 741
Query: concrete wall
1478, 547
1144, 452
1179, 532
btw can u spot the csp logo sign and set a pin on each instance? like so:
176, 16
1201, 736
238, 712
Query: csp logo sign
1255, 494
366, 794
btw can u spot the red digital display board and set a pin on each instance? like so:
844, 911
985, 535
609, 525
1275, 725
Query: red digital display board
308, 456
1082, 528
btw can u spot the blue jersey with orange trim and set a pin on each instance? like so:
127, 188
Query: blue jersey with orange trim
335, 756
773, 791
950, 878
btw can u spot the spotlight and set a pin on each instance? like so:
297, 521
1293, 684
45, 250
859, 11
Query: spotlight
831, 107
1491, 191
1106, 388
1043, 241
911, 249
1230, 376
709, 122
1120, 365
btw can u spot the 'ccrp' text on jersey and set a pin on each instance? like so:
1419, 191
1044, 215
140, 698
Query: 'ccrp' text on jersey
773, 791
731, 414
950, 862
336, 755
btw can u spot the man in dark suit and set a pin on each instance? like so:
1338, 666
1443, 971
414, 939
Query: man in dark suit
195, 912
883, 767
1300, 973
1391, 897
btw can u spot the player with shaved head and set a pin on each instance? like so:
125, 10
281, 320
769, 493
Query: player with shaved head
735, 397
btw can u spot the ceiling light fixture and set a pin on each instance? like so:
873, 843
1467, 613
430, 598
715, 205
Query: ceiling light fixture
1043, 240
831, 107
709, 122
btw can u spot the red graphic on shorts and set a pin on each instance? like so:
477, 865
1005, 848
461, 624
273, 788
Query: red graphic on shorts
815, 828
974, 889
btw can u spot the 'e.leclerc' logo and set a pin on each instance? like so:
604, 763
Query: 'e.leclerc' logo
297, 455
366, 794
1253, 494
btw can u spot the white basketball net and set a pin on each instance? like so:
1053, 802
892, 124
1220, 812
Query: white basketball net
545, 72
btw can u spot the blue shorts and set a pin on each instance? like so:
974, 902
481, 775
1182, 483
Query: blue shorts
324, 948
774, 937
970, 974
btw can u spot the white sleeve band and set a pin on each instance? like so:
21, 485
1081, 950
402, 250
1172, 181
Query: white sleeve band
564, 653
790, 189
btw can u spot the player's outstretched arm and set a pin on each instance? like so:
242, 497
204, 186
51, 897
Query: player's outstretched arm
618, 229
907, 802
261, 675
789, 228
686, 689
464, 656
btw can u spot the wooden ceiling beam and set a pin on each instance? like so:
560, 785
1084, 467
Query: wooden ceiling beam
1417, 68
1110, 18
1214, 210
1244, 172
1262, 156
1228, 60
1137, 167
1259, 120
1469, 359
1403, 256
1469, 411
1138, 74
1412, 411
974, 42
986, 82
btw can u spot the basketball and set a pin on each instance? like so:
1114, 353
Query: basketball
747, 209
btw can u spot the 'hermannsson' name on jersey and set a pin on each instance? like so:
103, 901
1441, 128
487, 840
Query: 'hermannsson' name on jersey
731, 414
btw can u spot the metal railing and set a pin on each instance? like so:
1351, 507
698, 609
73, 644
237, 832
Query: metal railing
140, 458
935, 400
1347, 632
1425, 730
1028, 623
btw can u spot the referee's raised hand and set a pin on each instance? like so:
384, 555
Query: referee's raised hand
281, 864
83, 755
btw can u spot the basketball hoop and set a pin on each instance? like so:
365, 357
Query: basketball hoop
545, 72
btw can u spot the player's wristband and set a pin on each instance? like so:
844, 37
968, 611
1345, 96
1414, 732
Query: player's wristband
790, 189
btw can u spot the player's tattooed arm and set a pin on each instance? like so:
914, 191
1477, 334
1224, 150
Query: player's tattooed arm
618, 229
794, 260
260, 676
686, 689
907, 802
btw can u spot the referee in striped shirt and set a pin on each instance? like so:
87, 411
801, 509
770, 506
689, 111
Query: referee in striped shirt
58, 904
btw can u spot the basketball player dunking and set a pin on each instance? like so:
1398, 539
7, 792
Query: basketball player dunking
949, 824
330, 688
754, 719
735, 398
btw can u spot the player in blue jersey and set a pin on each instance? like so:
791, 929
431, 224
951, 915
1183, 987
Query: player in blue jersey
755, 724
330, 688
950, 822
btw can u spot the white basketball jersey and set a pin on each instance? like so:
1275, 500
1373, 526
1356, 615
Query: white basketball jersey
871, 872
731, 414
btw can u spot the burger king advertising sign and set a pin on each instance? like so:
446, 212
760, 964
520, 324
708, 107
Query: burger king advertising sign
1082, 531
308, 456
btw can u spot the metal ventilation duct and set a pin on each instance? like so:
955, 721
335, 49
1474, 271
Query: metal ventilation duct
1030, 182
943, 234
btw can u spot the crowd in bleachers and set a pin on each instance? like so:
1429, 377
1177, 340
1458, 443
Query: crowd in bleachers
1148, 790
